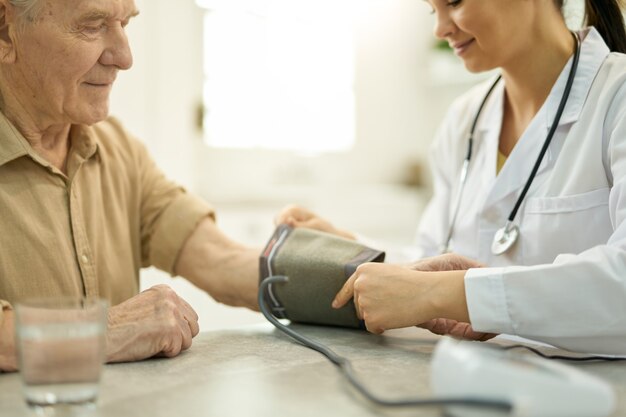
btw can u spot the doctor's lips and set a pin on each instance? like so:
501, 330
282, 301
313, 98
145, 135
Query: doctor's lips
460, 47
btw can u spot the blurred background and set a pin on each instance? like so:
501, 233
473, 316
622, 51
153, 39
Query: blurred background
255, 104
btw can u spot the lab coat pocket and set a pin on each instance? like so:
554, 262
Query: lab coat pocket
564, 224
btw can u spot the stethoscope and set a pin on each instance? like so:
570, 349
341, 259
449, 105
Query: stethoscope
506, 237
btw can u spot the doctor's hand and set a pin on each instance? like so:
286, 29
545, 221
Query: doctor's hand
441, 326
156, 322
296, 216
390, 296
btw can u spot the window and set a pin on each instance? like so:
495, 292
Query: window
279, 74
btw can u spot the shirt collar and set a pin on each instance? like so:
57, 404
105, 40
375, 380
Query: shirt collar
84, 141
13, 145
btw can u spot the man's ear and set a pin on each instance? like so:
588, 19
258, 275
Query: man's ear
7, 32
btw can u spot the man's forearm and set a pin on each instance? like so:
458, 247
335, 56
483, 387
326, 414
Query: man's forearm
8, 357
225, 269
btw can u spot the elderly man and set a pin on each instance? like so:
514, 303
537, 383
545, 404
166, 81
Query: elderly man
83, 207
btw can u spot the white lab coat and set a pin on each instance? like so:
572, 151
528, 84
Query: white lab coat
569, 288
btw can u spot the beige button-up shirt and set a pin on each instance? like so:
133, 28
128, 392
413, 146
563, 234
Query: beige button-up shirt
87, 233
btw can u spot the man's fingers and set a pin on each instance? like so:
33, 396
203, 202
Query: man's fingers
191, 316
186, 333
188, 309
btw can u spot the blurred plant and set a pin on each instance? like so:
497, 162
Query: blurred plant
442, 45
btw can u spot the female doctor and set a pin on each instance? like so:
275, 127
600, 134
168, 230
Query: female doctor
529, 180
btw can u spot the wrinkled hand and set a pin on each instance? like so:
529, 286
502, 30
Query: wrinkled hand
441, 326
446, 262
156, 322
387, 296
296, 216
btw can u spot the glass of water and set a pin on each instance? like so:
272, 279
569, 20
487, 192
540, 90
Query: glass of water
61, 344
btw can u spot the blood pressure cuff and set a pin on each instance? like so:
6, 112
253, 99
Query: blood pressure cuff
317, 265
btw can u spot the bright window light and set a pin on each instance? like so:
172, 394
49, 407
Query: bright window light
279, 74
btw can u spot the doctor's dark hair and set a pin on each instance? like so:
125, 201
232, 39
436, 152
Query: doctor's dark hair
606, 16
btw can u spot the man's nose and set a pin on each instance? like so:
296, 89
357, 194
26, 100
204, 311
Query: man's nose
117, 52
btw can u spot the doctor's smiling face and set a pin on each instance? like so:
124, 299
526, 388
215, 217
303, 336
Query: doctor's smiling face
487, 34
60, 62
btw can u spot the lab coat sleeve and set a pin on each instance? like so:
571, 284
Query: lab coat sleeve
579, 301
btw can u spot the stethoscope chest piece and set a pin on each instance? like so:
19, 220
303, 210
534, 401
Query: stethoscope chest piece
504, 238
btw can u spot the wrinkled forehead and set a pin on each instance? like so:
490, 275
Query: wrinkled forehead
91, 9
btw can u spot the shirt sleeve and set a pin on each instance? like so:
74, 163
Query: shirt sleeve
168, 214
578, 302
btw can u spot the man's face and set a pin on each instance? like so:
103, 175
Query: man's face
67, 60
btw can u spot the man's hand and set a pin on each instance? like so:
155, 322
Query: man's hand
8, 355
156, 322
450, 262
454, 328
446, 262
296, 216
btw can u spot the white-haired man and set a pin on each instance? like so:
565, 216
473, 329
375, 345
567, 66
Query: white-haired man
83, 207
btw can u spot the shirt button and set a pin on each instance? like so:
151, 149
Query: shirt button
85, 259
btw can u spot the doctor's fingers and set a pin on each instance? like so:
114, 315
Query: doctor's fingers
357, 307
346, 292
372, 324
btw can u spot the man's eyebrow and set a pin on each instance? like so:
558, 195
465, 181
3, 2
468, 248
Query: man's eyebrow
94, 15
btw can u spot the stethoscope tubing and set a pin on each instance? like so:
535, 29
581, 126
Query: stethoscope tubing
544, 149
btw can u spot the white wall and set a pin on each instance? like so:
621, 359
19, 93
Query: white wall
393, 123
402, 90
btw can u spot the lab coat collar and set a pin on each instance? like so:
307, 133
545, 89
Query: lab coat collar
592, 54
517, 169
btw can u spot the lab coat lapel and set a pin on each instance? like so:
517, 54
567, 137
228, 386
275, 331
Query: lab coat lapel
521, 161
593, 53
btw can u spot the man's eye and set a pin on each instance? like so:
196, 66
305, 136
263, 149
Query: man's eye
453, 3
92, 30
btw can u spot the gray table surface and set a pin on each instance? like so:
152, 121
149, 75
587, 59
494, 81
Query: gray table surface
257, 371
